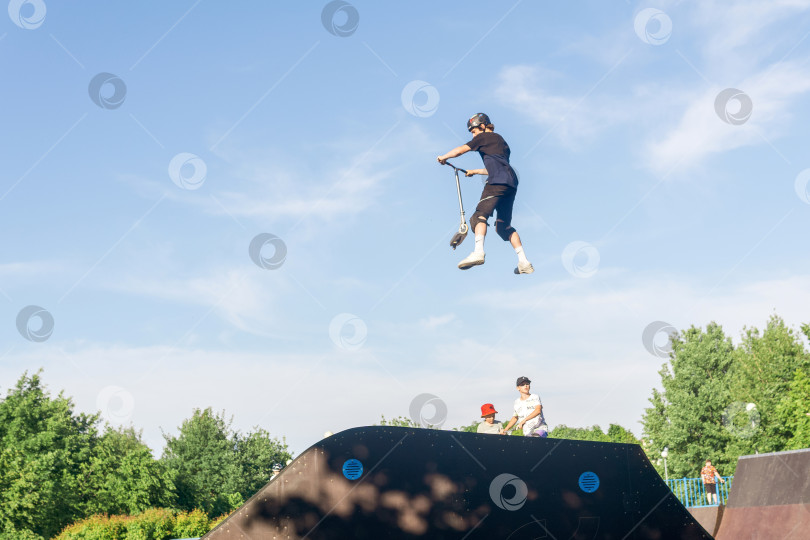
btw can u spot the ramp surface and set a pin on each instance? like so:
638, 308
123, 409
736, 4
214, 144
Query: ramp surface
400, 483
709, 517
770, 498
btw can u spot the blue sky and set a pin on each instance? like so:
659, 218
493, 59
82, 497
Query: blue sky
647, 195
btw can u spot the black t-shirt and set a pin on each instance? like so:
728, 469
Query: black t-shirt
495, 153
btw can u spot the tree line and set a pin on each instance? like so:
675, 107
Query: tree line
58, 466
720, 401
717, 401
615, 432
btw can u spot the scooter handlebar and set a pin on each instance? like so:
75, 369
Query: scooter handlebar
454, 167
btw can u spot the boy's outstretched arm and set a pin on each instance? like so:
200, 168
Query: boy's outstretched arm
509, 425
537, 410
455, 152
472, 172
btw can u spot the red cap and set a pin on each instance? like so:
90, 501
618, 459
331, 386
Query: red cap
487, 409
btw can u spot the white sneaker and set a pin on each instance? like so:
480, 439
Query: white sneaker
524, 268
473, 259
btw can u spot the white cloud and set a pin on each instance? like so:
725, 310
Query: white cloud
285, 393
567, 118
737, 34
352, 190
746, 45
324, 184
436, 321
698, 131
241, 297
701, 132
576, 119
23, 271
310, 186
589, 315
580, 341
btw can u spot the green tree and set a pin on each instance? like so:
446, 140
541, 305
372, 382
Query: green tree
472, 428
766, 363
402, 421
615, 434
43, 447
654, 421
204, 461
594, 433
215, 468
13, 534
794, 412
399, 421
124, 478
619, 434
256, 453
687, 416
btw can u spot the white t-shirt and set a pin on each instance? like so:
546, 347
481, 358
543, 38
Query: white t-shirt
524, 407
494, 427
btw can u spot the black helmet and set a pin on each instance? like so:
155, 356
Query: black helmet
478, 119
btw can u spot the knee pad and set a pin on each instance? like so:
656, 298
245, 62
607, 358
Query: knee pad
503, 232
477, 218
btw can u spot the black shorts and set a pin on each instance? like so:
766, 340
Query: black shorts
711, 488
496, 198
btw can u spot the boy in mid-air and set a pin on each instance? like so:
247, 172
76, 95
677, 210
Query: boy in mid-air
499, 192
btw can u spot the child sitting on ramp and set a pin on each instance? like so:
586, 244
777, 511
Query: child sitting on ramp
489, 425
528, 412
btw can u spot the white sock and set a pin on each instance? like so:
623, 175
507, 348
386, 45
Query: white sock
479, 243
521, 256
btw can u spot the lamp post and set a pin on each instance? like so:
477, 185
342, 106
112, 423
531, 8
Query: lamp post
748, 408
664, 455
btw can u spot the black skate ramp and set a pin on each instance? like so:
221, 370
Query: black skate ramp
402, 483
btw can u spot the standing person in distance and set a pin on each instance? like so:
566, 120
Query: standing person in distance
499, 192
528, 412
708, 473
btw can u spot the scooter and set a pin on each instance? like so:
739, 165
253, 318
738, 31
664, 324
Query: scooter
459, 237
